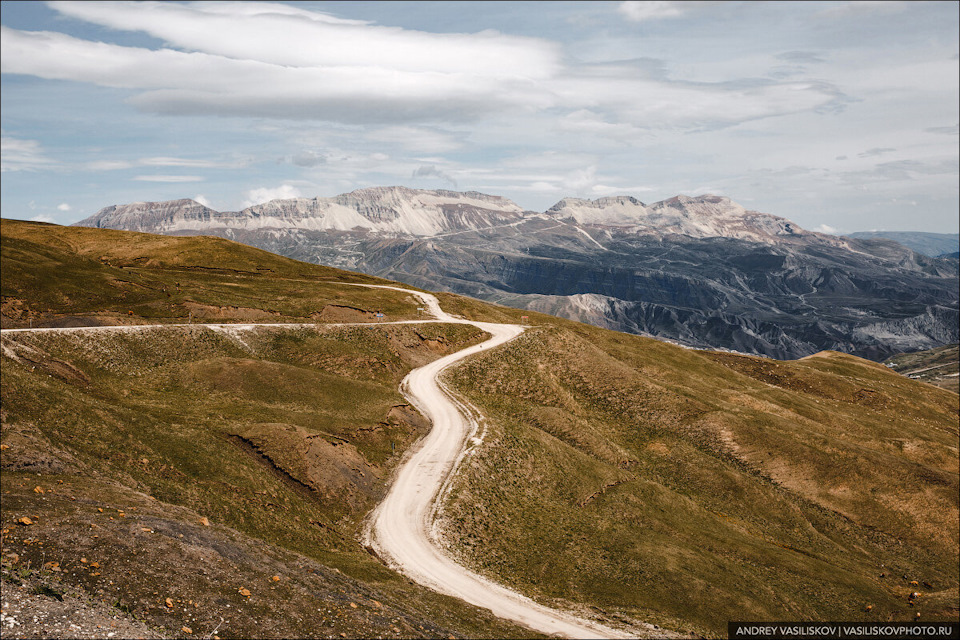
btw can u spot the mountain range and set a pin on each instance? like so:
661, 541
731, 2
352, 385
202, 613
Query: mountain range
929, 244
701, 271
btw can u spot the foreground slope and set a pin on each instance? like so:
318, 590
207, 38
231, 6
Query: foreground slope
228, 470
630, 476
694, 488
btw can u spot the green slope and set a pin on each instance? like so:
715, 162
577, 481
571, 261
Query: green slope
74, 276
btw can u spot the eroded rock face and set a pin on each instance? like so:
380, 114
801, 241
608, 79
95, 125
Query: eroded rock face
700, 217
390, 210
702, 271
152, 217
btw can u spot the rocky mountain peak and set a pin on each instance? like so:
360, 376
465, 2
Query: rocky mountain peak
150, 216
402, 211
389, 210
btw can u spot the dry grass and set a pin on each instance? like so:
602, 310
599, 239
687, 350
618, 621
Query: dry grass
692, 488
76, 276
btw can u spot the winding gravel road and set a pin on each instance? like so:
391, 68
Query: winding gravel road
401, 528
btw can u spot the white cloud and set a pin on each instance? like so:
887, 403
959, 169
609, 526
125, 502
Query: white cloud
162, 161
308, 158
641, 10
42, 218
607, 190
63, 206
286, 36
859, 8
189, 162
825, 228
199, 83
418, 139
202, 200
279, 61
265, 194
876, 151
164, 178
108, 165
22, 155
581, 180
282, 62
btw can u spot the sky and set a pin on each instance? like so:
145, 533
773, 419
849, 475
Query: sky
841, 116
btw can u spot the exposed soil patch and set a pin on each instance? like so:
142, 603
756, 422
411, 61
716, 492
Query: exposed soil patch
331, 466
210, 312
25, 448
343, 313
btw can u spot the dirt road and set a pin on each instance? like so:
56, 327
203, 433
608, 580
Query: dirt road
401, 528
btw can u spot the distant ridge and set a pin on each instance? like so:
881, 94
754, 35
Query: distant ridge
424, 213
929, 244
702, 271
391, 210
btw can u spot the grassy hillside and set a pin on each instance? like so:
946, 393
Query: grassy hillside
691, 488
618, 473
74, 276
939, 367
189, 463
281, 439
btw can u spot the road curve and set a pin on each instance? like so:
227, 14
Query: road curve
400, 528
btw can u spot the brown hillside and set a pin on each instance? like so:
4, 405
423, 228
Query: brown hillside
691, 488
